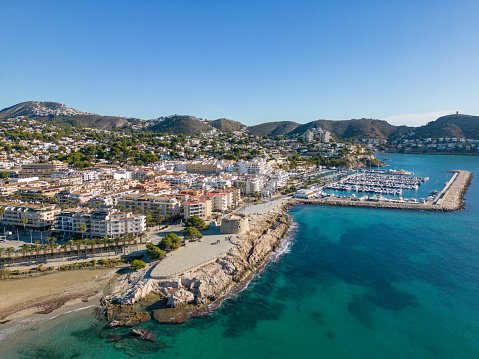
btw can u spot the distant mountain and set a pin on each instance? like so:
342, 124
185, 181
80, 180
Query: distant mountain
225, 125
358, 128
280, 128
363, 128
57, 113
450, 126
176, 124
52, 112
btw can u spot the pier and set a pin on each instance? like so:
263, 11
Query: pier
450, 199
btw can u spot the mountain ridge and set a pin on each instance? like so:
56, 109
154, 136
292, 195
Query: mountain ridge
455, 125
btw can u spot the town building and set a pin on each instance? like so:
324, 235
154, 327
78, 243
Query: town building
158, 205
200, 207
39, 216
41, 170
91, 223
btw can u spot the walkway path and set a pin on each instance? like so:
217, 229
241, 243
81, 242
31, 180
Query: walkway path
193, 255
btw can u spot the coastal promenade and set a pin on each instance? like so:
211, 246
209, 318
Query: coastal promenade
198, 254
194, 255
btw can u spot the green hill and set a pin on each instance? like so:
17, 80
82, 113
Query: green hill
280, 128
450, 126
225, 125
57, 113
358, 128
176, 124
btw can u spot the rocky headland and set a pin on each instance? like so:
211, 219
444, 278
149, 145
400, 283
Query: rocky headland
138, 296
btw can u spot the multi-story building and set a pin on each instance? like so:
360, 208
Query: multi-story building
219, 201
89, 176
98, 223
158, 205
199, 167
109, 223
39, 216
308, 136
41, 170
249, 185
200, 207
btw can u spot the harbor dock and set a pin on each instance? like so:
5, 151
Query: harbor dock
451, 198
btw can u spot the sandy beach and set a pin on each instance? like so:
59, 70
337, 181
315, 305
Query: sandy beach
43, 294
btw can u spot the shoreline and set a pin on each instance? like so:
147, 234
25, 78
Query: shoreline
44, 297
201, 290
211, 284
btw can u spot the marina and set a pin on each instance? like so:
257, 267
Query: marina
450, 198
378, 182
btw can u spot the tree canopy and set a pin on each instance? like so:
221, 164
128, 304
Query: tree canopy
196, 222
192, 234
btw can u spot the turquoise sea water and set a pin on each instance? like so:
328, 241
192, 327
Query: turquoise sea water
356, 283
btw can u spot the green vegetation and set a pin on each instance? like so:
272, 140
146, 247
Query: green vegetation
196, 222
192, 234
153, 252
137, 264
4, 273
170, 242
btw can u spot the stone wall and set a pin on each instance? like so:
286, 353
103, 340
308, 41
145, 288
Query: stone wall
234, 224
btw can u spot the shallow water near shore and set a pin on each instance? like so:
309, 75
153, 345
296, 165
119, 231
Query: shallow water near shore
356, 283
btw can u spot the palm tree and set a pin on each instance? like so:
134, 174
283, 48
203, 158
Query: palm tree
82, 230
25, 249
36, 247
9, 252
24, 220
78, 245
160, 219
53, 246
142, 236
129, 238
71, 243
2, 211
117, 240
105, 242
64, 246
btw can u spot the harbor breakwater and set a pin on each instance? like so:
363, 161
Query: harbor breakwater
201, 290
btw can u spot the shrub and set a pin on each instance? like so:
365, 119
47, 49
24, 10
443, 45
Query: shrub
154, 252
137, 264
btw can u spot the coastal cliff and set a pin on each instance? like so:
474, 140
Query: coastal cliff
204, 288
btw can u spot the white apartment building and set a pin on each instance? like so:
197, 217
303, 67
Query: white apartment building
89, 176
98, 223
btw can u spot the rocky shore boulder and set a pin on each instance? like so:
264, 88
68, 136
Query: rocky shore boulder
144, 334
180, 298
126, 316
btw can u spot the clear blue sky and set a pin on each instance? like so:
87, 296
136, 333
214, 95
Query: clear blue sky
250, 61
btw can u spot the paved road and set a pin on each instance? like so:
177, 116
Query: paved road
263, 207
